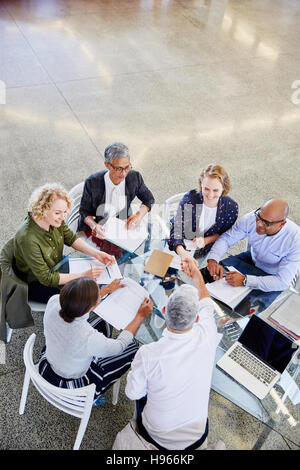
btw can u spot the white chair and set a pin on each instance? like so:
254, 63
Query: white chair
295, 285
76, 402
75, 194
169, 210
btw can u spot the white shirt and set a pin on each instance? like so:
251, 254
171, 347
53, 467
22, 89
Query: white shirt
175, 374
115, 199
277, 255
71, 347
207, 218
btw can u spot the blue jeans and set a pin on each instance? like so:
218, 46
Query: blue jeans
243, 262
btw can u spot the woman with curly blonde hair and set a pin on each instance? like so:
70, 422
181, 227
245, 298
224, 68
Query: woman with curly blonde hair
39, 243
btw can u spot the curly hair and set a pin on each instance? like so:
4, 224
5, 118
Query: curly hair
43, 197
216, 171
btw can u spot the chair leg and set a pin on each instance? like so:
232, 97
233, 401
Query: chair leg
24, 392
8, 334
116, 389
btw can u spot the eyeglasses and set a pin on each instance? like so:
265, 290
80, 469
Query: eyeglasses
120, 169
266, 222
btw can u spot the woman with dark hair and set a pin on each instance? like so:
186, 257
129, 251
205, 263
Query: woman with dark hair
79, 350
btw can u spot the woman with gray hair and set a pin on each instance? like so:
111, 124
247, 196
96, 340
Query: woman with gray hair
110, 192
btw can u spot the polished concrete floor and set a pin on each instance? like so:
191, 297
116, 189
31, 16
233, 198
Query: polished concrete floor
183, 83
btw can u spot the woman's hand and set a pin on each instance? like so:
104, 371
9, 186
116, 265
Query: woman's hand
115, 285
105, 258
200, 242
98, 231
94, 272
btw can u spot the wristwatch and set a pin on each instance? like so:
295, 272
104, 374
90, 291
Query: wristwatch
245, 281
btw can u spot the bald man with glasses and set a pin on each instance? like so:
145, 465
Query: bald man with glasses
110, 193
274, 255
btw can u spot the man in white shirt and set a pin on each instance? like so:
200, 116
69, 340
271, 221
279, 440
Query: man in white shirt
274, 257
175, 372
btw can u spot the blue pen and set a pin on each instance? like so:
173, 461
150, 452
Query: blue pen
107, 271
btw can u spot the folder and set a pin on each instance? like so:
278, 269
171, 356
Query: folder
158, 263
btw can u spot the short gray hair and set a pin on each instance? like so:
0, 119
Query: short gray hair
182, 308
114, 151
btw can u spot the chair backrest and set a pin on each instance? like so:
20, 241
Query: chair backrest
171, 205
76, 402
75, 194
296, 281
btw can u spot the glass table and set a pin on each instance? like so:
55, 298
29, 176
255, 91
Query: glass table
280, 409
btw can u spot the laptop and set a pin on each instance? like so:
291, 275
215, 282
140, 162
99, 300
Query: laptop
259, 357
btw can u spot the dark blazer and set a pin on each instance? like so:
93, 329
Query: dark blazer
185, 224
93, 196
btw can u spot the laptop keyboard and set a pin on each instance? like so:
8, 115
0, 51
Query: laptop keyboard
253, 365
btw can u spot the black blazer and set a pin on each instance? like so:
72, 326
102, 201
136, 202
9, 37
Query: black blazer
93, 196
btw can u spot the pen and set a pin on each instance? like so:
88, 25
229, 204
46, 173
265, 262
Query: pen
107, 271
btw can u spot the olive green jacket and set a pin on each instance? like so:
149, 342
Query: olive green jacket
15, 309
37, 251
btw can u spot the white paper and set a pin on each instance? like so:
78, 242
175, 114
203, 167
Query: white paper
175, 263
117, 233
80, 265
120, 307
288, 314
225, 292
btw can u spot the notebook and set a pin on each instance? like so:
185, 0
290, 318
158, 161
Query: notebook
259, 357
81, 265
120, 307
226, 293
287, 316
128, 239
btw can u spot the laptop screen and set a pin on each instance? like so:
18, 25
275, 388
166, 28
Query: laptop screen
267, 343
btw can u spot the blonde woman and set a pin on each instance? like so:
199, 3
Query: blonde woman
39, 243
203, 215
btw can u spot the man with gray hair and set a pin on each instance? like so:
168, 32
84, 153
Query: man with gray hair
171, 378
110, 193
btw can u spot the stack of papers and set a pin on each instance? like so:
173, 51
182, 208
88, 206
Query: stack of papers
80, 265
120, 307
226, 293
175, 263
117, 233
287, 316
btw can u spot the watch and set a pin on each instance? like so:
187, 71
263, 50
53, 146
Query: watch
245, 280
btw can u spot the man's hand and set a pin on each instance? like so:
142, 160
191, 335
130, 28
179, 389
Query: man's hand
234, 278
105, 258
98, 231
215, 269
200, 242
133, 221
190, 266
146, 308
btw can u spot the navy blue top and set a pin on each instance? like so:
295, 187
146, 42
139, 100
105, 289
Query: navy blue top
185, 224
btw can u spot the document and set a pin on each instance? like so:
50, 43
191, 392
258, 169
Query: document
80, 265
175, 263
287, 316
120, 307
228, 294
128, 239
